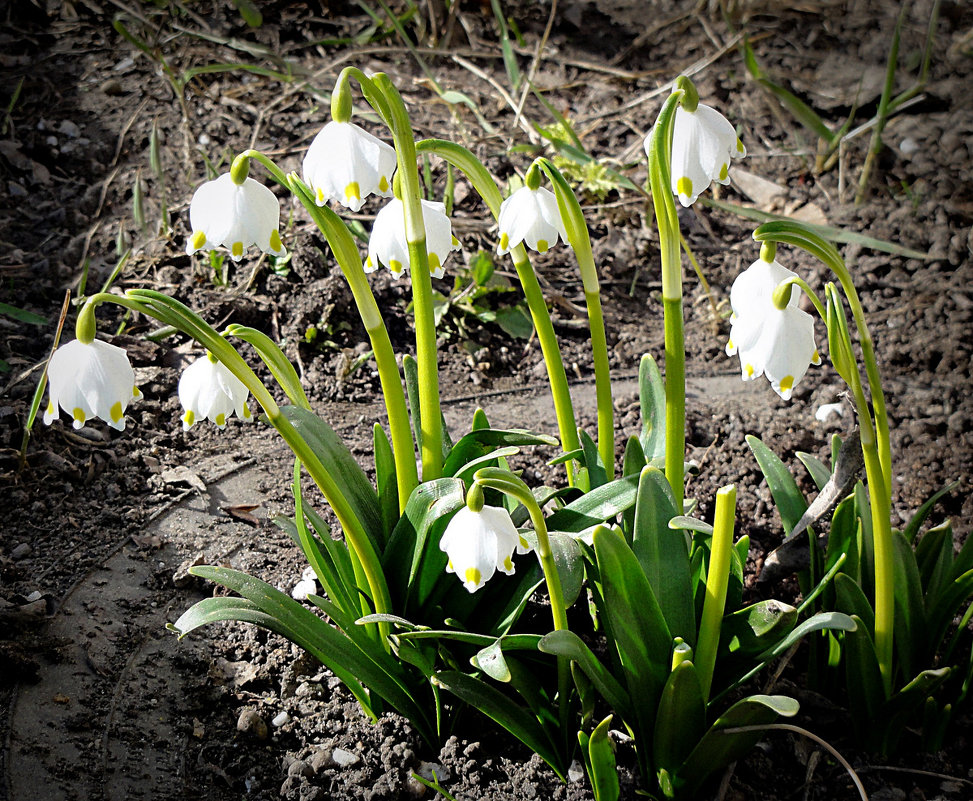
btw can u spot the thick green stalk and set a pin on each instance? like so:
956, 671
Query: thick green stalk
171, 312
660, 144
486, 187
577, 231
716, 582
430, 414
349, 260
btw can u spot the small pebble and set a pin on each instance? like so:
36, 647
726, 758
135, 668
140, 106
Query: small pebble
575, 772
300, 768
251, 723
280, 719
20, 551
321, 760
344, 758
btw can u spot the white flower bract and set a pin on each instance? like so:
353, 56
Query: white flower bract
209, 391
346, 163
388, 243
703, 144
235, 216
91, 380
480, 543
778, 343
530, 216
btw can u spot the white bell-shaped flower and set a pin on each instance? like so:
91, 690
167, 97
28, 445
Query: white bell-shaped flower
388, 244
480, 543
209, 391
235, 216
778, 343
530, 216
346, 163
703, 144
91, 379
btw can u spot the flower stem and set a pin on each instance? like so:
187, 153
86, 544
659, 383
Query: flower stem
349, 260
672, 303
430, 412
577, 231
716, 583
486, 187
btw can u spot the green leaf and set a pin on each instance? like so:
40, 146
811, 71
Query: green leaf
597, 475
818, 470
717, 748
570, 565
568, 644
602, 772
388, 491
635, 624
652, 400
664, 553
790, 502
595, 507
514, 718
681, 720
343, 468
483, 441
515, 321
910, 625
866, 695
634, 459
758, 627
843, 539
21, 315
915, 522
409, 544
334, 649
490, 660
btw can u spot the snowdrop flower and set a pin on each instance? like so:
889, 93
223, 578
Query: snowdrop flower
530, 216
91, 379
389, 246
703, 143
778, 343
235, 216
208, 390
346, 163
480, 543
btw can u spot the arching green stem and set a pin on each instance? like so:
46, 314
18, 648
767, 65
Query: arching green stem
171, 312
660, 145
509, 484
577, 230
349, 260
486, 187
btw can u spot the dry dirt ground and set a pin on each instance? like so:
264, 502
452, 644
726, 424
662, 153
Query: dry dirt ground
97, 699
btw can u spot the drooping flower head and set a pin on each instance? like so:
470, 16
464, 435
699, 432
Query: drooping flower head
530, 216
388, 243
224, 213
703, 145
778, 343
91, 379
209, 391
480, 543
346, 163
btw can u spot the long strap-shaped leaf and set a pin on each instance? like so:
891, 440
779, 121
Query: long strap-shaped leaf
299, 624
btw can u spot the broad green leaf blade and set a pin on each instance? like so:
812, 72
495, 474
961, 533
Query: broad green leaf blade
911, 530
490, 660
636, 625
788, 498
652, 400
717, 748
344, 469
758, 627
494, 704
681, 721
570, 565
664, 553
601, 760
818, 470
866, 695
484, 441
910, 623
595, 507
568, 644
597, 475
388, 490
411, 546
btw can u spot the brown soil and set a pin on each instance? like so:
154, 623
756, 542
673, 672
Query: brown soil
98, 700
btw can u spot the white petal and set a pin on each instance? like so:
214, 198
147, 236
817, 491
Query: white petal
347, 164
236, 217
91, 380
